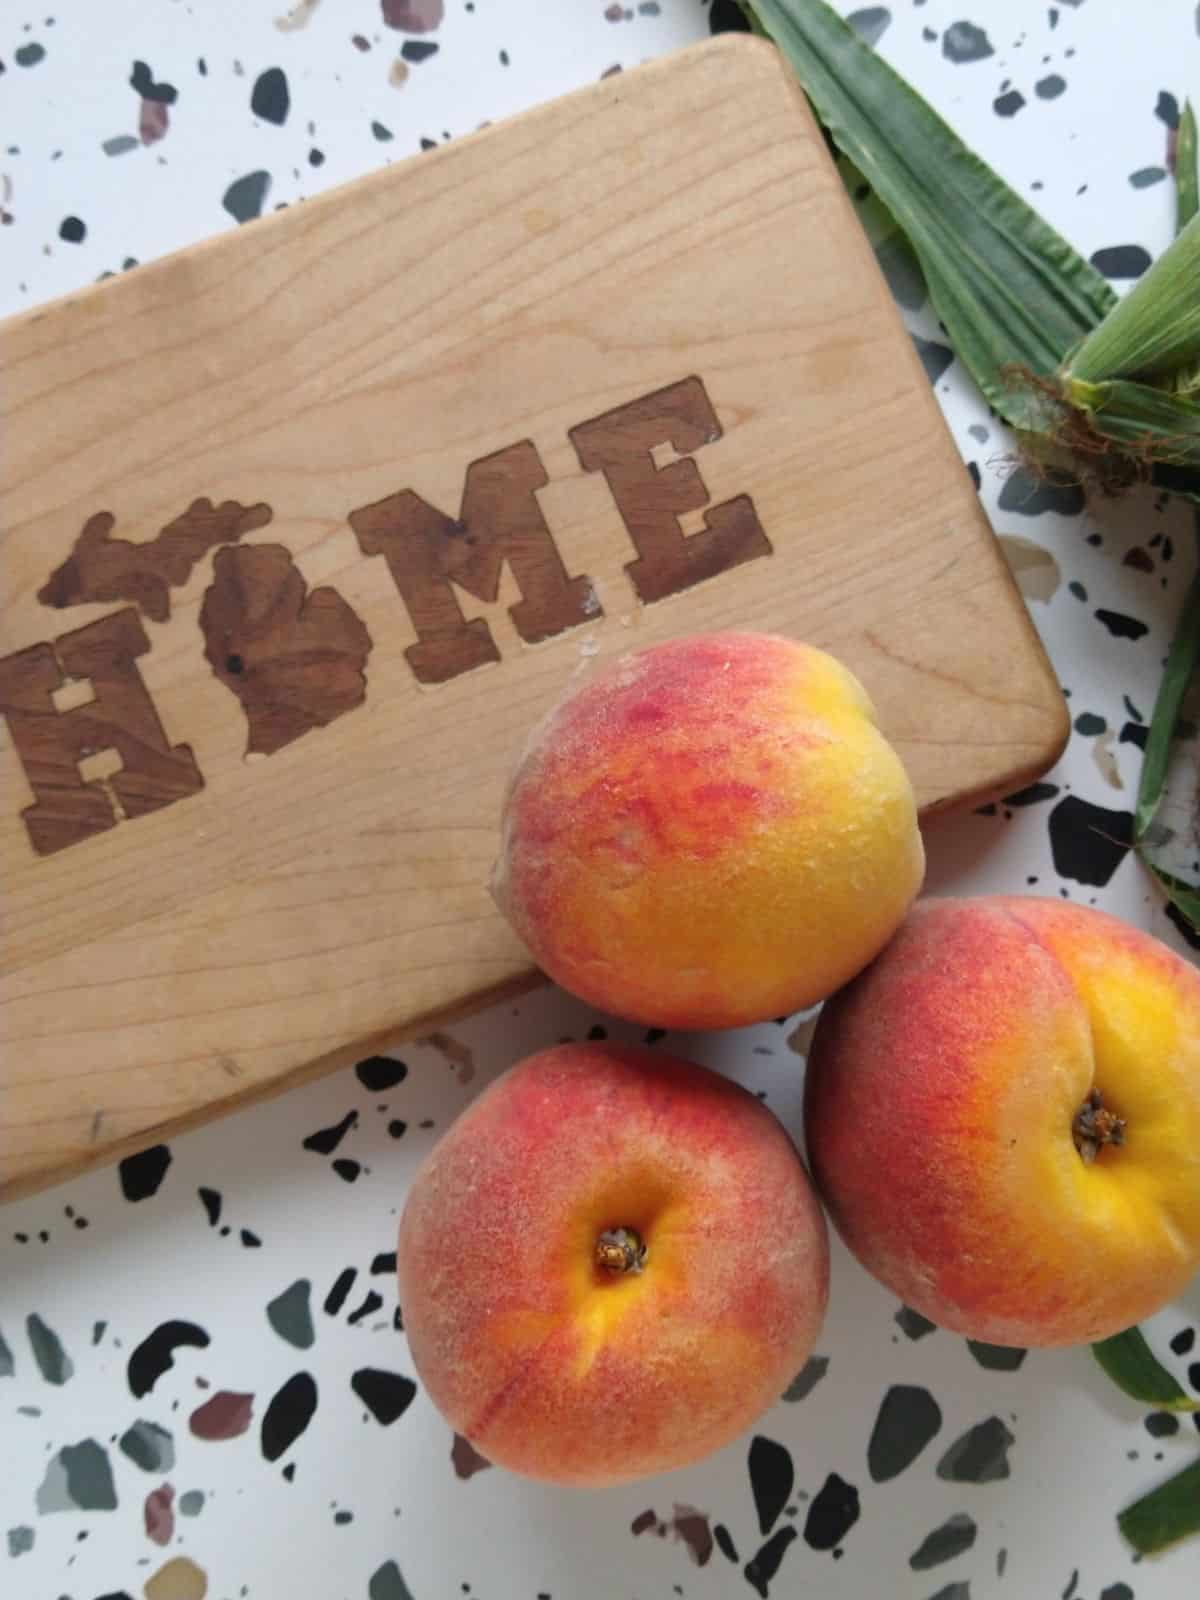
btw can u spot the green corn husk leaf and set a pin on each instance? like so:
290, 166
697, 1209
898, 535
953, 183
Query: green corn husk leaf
1181, 665
1012, 292
1187, 206
1187, 170
1167, 755
1134, 1368
1145, 422
1165, 1515
886, 237
1155, 329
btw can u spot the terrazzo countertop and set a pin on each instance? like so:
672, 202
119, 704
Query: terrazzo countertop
204, 1381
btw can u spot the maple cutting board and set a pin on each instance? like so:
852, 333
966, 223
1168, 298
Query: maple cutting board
304, 527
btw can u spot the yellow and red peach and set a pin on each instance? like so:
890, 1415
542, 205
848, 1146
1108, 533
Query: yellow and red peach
711, 832
610, 1265
1003, 1116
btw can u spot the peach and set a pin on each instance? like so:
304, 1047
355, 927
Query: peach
1003, 1116
711, 832
610, 1265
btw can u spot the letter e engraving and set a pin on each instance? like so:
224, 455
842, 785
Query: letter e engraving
428, 552
120, 716
651, 499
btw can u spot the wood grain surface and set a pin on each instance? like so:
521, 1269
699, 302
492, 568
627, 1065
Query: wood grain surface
304, 527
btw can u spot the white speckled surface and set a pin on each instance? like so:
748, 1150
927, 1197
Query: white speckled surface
211, 1231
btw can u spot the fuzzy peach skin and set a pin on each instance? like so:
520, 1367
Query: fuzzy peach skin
943, 1090
559, 1368
711, 832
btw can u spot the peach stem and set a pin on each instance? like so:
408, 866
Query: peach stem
620, 1250
1095, 1126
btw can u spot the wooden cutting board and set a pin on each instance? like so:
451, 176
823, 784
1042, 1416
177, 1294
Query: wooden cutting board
304, 527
